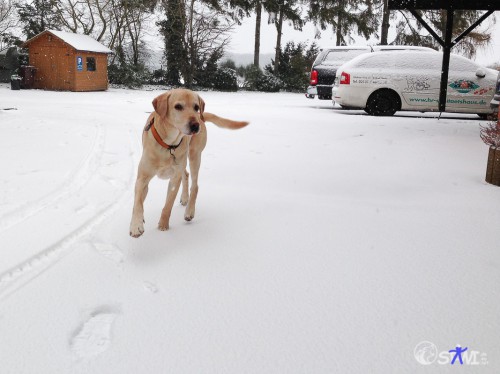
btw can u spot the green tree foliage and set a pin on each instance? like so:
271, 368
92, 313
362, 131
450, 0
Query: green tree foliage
411, 32
196, 33
346, 17
279, 12
173, 31
257, 80
37, 16
296, 61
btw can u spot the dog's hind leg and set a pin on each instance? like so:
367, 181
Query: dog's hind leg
173, 188
185, 188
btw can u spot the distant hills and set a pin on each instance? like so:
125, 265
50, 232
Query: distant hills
156, 57
247, 58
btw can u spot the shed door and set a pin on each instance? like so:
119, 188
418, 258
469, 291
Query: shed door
59, 69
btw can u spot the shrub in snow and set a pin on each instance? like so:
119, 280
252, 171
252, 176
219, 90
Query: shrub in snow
158, 76
258, 80
128, 75
490, 134
294, 65
225, 80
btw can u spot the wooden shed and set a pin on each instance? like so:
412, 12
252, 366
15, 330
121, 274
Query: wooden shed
68, 62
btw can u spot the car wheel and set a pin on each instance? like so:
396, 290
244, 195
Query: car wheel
383, 103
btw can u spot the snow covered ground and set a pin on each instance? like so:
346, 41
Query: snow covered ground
325, 241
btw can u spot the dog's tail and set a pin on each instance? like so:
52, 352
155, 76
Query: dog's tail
224, 122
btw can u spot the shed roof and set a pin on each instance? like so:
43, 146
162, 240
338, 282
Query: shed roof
78, 41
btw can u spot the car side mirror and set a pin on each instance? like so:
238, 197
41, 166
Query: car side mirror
480, 73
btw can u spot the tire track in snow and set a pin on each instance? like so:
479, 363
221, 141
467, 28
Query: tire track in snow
19, 275
25, 272
77, 179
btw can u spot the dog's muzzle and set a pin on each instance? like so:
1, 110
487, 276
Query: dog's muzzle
194, 127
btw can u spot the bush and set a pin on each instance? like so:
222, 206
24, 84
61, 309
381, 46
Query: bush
295, 64
258, 80
225, 80
158, 76
128, 75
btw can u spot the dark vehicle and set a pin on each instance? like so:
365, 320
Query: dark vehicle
496, 99
325, 66
329, 60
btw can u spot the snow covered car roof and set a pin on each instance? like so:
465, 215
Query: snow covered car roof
376, 48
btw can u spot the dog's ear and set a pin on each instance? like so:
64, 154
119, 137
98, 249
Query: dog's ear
160, 103
201, 103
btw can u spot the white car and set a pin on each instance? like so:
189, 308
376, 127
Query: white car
383, 83
326, 63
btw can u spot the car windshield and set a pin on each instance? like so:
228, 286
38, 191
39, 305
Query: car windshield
339, 56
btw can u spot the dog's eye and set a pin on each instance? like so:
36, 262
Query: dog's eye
178, 107
196, 107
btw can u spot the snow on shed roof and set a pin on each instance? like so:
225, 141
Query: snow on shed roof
78, 41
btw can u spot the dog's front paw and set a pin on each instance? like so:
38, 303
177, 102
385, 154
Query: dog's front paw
136, 229
184, 200
189, 213
163, 225
189, 217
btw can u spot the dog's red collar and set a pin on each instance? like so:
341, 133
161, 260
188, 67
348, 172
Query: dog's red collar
151, 125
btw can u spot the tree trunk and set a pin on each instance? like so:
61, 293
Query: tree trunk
256, 51
385, 23
174, 48
339, 29
279, 27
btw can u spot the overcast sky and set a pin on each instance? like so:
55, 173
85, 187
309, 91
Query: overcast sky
243, 38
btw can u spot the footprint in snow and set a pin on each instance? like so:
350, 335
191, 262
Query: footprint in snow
94, 336
150, 287
110, 251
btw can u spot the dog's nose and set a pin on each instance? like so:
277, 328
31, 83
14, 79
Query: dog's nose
194, 127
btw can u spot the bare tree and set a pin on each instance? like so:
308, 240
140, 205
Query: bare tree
206, 34
195, 32
117, 23
7, 19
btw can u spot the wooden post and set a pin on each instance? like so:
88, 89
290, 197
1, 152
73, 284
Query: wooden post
493, 167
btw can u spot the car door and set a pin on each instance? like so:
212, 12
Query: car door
419, 83
470, 86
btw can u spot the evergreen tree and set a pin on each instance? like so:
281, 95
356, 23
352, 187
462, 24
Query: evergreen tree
295, 63
410, 31
37, 16
280, 11
173, 30
346, 17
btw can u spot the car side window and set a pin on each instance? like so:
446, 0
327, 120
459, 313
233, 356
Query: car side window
419, 61
382, 61
458, 63
339, 56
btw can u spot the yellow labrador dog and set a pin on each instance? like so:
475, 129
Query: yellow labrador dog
174, 131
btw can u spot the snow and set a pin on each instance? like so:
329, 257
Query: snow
325, 241
79, 41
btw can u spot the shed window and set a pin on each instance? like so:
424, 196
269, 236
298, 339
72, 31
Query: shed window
91, 66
